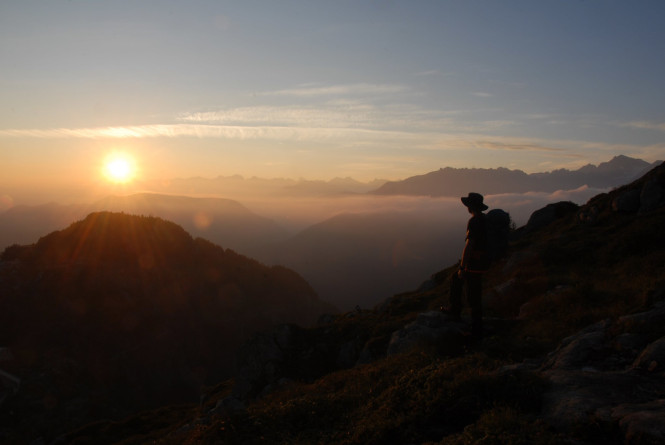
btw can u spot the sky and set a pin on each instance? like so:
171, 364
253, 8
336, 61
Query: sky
322, 89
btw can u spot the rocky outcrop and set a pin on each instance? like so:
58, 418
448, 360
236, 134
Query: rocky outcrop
549, 214
642, 196
290, 352
433, 329
608, 379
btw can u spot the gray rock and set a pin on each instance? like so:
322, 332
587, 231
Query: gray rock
579, 349
642, 423
430, 328
652, 359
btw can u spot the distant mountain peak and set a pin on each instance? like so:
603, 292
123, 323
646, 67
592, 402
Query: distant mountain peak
450, 181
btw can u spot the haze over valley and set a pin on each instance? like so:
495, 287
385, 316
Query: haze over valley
353, 243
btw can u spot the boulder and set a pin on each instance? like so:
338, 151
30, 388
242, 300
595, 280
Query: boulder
549, 214
580, 349
642, 423
607, 379
652, 359
429, 329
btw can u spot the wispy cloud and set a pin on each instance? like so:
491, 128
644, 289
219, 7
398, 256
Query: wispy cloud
282, 133
344, 137
644, 125
516, 146
339, 90
335, 114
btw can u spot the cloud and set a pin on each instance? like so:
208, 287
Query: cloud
516, 146
645, 125
522, 205
482, 94
339, 90
283, 133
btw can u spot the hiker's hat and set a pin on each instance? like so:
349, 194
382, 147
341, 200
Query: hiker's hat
474, 201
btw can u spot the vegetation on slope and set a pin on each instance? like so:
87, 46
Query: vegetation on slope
119, 313
587, 265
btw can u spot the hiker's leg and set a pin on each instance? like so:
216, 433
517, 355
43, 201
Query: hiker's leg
456, 285
474, 282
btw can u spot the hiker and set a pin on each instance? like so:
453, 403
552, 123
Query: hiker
472, 265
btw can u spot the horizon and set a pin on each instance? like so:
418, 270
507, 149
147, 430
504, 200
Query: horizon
101, 97
258, 199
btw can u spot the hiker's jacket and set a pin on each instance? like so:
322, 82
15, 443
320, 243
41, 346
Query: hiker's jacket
475, 257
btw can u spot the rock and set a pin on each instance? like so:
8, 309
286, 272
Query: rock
228, 404
260, 359
652, 359
430, 328
642, 423
349, 353
326, 319
579, 349
550, 213
643, 321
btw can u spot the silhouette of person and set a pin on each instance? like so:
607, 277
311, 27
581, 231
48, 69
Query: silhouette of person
472, 265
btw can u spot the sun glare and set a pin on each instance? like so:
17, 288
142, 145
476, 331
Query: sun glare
119, 168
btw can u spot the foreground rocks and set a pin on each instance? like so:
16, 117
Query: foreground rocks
609, 379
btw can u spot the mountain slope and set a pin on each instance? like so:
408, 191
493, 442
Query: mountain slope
573, 353
118, 313
358, 259
223, 221
458, 182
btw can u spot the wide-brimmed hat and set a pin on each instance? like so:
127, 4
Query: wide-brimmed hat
474, 201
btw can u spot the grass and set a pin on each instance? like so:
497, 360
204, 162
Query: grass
414, 397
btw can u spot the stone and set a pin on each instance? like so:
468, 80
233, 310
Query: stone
550, 213
430, 328
642, 423
653, 357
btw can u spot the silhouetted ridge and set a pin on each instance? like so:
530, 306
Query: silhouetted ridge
458, 181
141, 313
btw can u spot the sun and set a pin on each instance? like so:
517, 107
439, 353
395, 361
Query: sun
119, 168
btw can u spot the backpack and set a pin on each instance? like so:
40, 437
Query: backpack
497, 223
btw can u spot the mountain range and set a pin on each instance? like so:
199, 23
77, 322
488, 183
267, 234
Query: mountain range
458, 182
241, 187
116, 311
352, 258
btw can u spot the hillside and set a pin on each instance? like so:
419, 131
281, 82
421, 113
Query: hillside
118, 313
356, 259
573, 352
457, 182
224, 221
